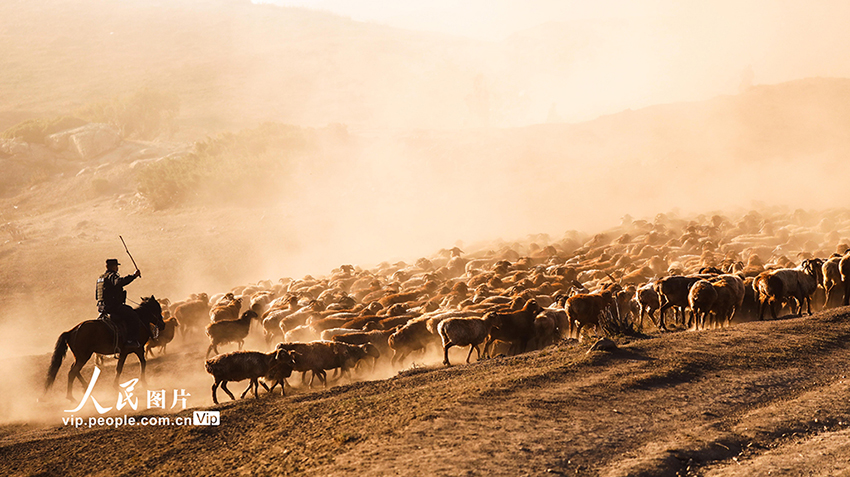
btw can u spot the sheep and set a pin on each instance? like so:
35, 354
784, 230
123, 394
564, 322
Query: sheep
272, 318
435, 318
701, 298
277, 374
563, 328
241, 365
378, 338
464, 332
844, 268
261, 301
327, 335
228, 311
648, 301
777, 286
546, 325
412, 336
731, 293
301, 316
303, 333
516, 327
192, 313
318, 356
165, 336
585, 309
230, 331
750, 304
673, 292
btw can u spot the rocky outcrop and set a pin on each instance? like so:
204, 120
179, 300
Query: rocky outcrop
85, 142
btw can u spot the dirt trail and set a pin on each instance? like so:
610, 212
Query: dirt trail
748, 400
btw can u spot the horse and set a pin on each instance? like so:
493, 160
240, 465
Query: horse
98, 336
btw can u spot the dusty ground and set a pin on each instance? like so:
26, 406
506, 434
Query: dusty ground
760, 398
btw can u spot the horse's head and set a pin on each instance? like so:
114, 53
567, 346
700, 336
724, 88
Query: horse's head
151, 310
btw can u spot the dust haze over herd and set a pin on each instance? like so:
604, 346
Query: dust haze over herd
459, 125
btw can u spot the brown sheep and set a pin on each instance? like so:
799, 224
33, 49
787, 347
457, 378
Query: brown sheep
229, 331
701, 298
832, 281
648, 301
319, 356
193, 313
165, 336
778, 286
844, 268
241, 365
516, 327
378, 338
585, 309
229, 311
413, 336
673, 292
731, 293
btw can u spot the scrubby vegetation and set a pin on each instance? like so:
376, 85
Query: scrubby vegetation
145, 114
235, 167
35, 131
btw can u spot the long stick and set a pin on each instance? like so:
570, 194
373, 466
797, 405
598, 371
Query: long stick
128, 253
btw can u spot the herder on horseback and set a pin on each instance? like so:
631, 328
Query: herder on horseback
111, 299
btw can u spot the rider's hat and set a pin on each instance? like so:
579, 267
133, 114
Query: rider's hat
112, 261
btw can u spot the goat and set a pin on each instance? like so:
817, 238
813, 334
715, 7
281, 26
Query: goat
464, 332
230, 331
241, 365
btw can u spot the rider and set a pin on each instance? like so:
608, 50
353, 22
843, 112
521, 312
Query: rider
111, 296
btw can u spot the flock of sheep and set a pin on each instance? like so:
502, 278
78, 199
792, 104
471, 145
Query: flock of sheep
710, 271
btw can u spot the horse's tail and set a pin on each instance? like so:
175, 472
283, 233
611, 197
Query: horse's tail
56, 361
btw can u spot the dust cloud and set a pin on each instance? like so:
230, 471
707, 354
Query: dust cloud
567, 119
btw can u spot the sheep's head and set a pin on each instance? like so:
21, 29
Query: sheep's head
284, 359
371, 350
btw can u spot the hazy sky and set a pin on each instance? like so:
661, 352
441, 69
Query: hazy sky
642, 52
482, 19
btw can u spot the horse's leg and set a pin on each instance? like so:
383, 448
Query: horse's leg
143, 363
120, 366
74, 373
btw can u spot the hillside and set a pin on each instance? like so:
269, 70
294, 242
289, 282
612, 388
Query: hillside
232, 63
328, 205
754, 399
